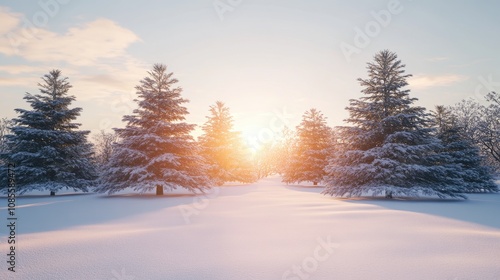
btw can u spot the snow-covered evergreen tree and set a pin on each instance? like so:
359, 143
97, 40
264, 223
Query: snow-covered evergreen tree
442, 119
45, 145
224, 148
390, 150
476, 176
309, 157
156, 150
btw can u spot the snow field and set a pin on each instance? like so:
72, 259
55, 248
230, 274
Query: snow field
265, 230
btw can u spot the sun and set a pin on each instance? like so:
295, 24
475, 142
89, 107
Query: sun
251, 143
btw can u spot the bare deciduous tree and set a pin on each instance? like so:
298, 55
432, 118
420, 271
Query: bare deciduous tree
103, 145
480, 124
489, 128
4, 131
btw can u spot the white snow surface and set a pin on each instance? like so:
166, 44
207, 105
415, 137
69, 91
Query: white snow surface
252, 232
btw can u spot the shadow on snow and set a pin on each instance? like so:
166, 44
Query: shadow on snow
44, 213
480, 208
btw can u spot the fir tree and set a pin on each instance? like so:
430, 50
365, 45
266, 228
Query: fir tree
442, 119
310, 154
156, 150
45, 145
224, 149
476, 176
390, 150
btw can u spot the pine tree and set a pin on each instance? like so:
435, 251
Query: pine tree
390, 150
476, 176
156, 150
224, 149
310, 155
45, 145
442, 119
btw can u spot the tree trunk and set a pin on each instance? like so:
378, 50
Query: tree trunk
159, 190
52, 193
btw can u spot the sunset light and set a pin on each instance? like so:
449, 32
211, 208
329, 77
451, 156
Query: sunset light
249, 139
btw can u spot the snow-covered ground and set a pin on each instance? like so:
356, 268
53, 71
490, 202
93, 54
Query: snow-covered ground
261, 231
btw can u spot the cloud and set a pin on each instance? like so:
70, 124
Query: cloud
427, 81
105, 80
9, 20
102, 86
93, 55
18, 81
83, 45
20, 69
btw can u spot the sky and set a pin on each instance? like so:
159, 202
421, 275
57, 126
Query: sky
269, 61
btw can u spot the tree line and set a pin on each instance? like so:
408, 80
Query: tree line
391, 146
394, 148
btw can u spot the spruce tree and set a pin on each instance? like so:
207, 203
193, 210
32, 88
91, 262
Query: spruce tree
442, 119
155, 150
390, 150
45, 145
224, 149
475, 175
309, 157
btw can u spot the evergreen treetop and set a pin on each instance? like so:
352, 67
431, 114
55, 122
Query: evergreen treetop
224, 149
390, 149
45, 146
309, 157
156, 150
